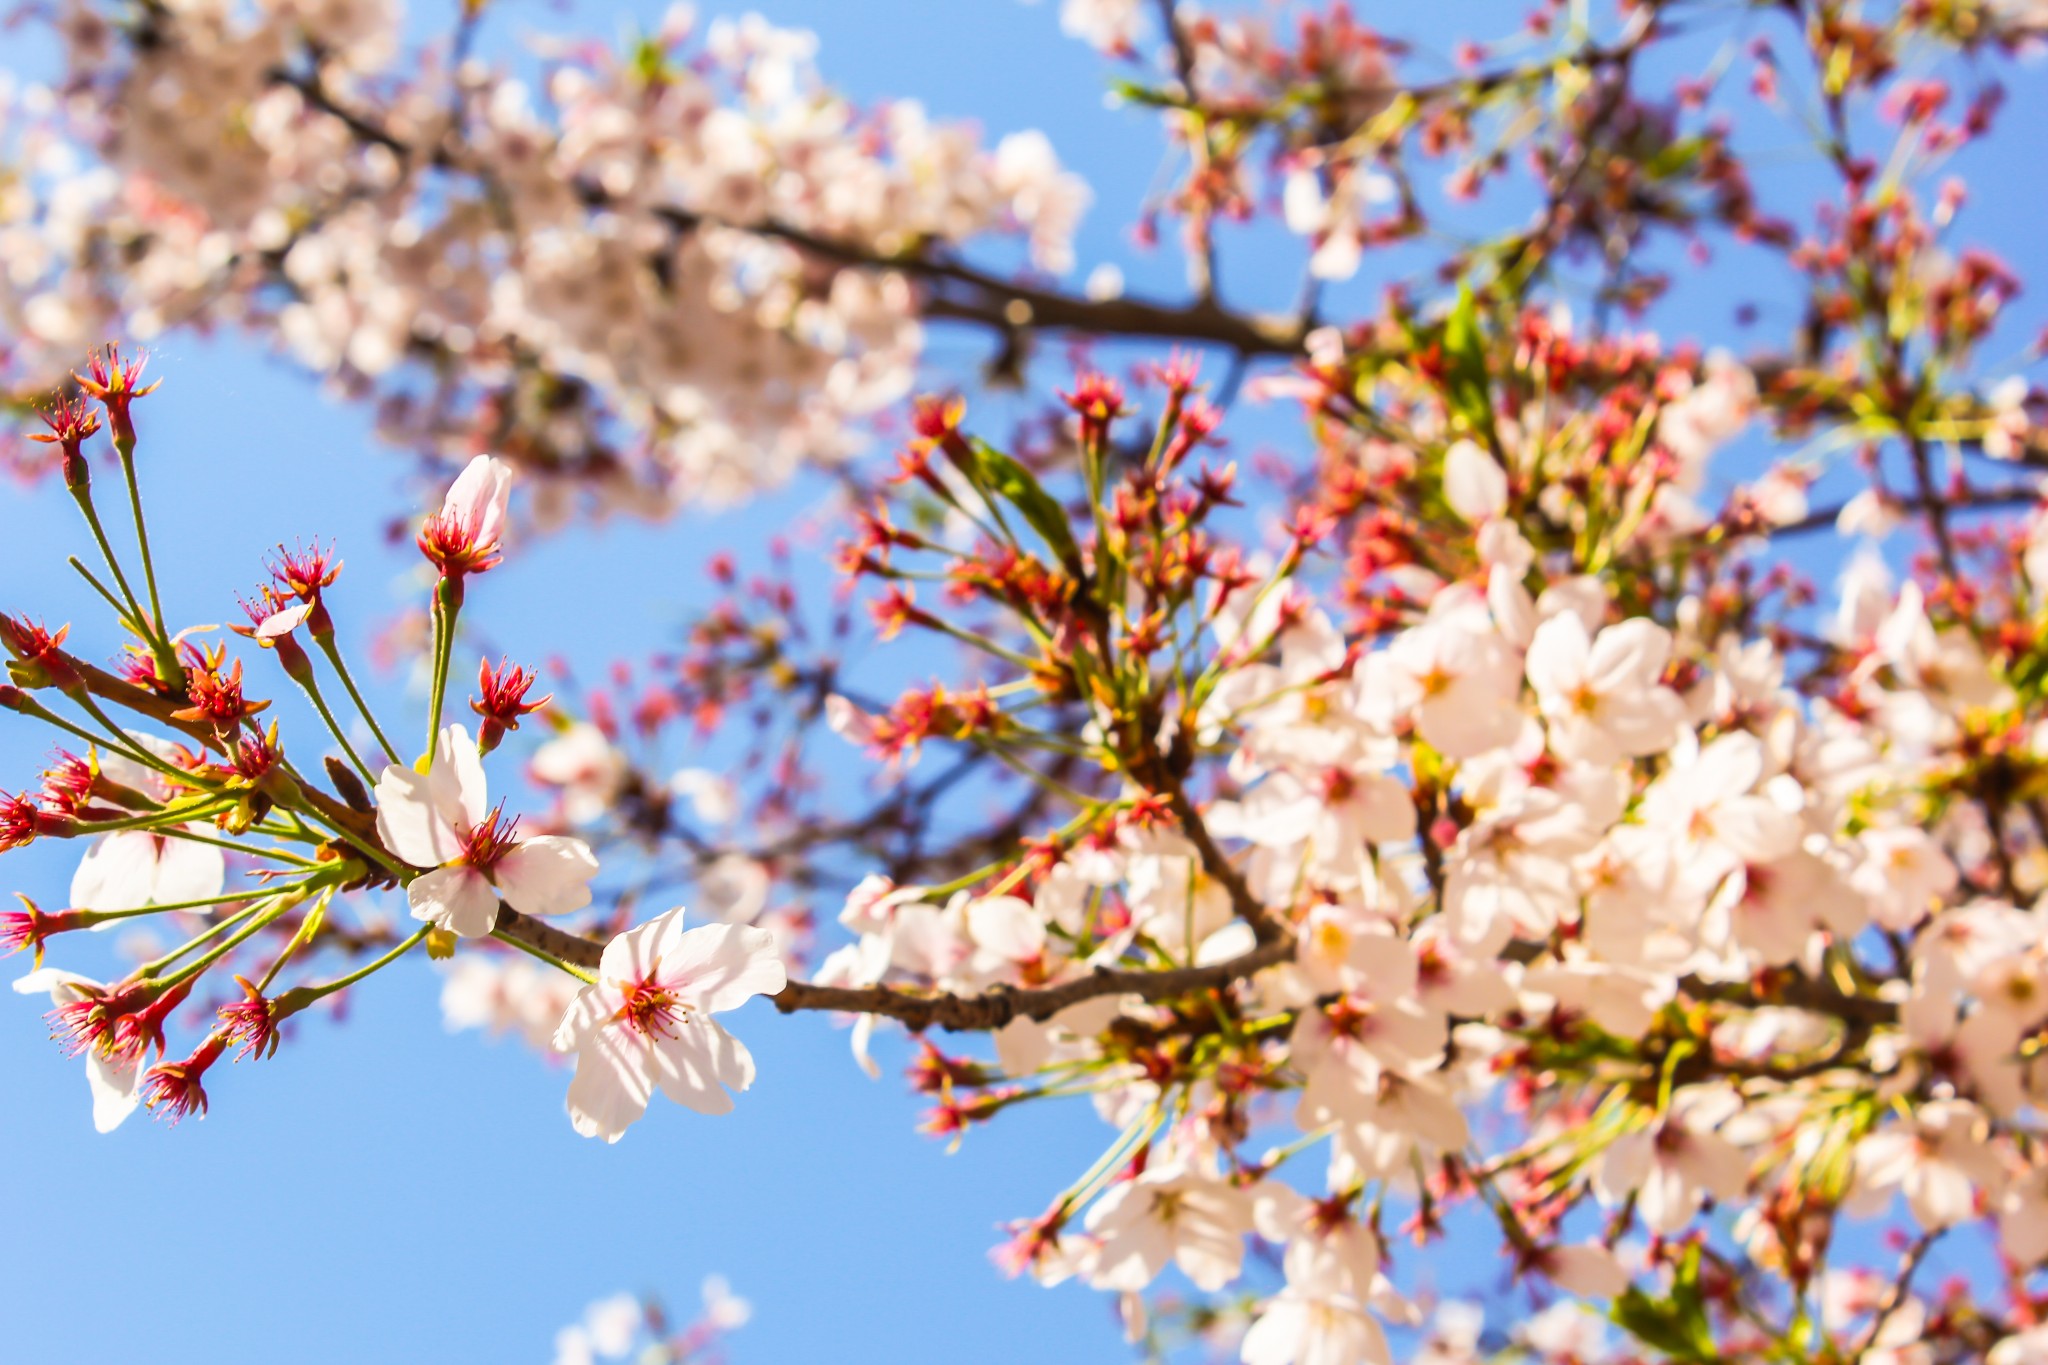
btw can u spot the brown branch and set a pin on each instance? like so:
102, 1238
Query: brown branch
315, 94
993, 1009
960, 292
1974, 500
1217, 864
983, 1013
529, 932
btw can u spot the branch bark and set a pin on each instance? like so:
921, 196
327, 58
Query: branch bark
983, 1013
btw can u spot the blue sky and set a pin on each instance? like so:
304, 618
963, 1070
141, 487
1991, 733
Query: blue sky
383, 1190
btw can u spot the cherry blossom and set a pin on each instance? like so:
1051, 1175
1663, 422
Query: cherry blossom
1537, 788
1318, 1319
1178, 1212
439, 820
114, 1076
645, 1024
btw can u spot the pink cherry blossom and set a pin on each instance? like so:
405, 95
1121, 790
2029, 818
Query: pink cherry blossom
438, 820
645, 1024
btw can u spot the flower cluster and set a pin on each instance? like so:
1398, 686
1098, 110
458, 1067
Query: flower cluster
1488, 817
625, 1327
664, 273
202, 818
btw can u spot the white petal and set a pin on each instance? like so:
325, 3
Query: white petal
699, 1063
116, 872
114, 1093
409, 824
631, 956
1006, 926
55, 980
457, 899
547, 876
478, 497
612, 1084
456, 781
1557, 656
719, 967
188, 871
588, 1012
1475, 485
1632, 652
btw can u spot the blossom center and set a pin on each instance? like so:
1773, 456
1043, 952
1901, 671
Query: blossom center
653, 1009
483, 845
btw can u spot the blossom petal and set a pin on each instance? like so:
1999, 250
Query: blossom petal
1475, 485
456, 899
719, 967
699, 1064
612, 1084
116, 872
589, 1011
456, 781
478, 497
1006, 926
1557, 661
114, 1090
408, 822
187, 871
547, 876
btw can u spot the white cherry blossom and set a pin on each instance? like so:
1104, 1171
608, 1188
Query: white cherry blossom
645, 1025
439, 820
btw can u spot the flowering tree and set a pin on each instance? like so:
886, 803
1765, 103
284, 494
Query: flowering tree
1473, 814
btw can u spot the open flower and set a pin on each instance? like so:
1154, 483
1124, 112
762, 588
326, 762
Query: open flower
1939, 1161
438, 820
1601, 694
1178, 1212
132, 868
1674, 1163
113, 1074
1319, 1318
646, 1024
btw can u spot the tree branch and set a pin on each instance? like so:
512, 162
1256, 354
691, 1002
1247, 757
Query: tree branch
983, 1013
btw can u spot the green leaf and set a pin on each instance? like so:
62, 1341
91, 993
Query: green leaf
1676, 156
1465, 364
1147, 95
1677, 1326
1654, 1323
997, 473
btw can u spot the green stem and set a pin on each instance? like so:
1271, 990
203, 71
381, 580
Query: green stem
333, 653
1133, 1137
115, 738
405, 946
444, 650
156, 610
308, 926
154, 818
29, 707
986, 646
277, 854
368, 850
312, 691
150, 969
261, 918
105, 916
128, 622
585, 977
99, 534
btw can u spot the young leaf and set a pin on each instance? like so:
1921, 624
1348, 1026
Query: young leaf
1014, 483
